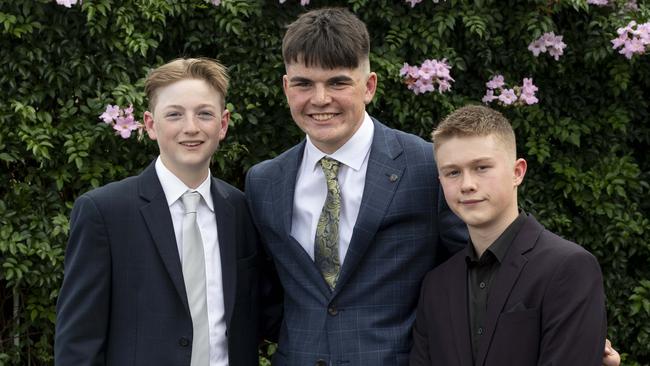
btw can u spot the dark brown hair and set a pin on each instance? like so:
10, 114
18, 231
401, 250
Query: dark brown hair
327, 38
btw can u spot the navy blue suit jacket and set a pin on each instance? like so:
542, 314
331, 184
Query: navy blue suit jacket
546, 307
123, 299
402, 229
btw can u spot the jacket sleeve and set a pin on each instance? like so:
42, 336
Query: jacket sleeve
83, 303
573, 314
420, 352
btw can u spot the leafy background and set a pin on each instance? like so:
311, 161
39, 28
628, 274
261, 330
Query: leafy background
586, 142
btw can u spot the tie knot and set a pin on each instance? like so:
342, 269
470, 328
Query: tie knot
330, 167
190, 201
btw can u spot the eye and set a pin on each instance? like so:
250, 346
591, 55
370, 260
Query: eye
173, 115
206, 115
482, 168
452, 173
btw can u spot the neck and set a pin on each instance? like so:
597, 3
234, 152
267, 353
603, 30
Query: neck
483, 236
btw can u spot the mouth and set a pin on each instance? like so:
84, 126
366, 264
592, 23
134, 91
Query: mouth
322, 117
471, 202
191, 143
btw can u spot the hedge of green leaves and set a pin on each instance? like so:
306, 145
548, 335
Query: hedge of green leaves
586, 141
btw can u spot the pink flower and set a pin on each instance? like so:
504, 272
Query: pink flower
528, 87
632, 39
508, 96
423, 85
215, 2
550, 43
431, 74
111, 113
409, 71
304, 2
496, 82
489, 96
598, 2
413, 2
68, 3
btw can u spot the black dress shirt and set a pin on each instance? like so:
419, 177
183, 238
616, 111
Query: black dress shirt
480, 274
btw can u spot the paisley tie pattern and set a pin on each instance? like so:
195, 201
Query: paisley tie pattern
326, 249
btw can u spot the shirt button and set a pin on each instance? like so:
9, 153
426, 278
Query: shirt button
321, 363
481, 285
332, 311
184, 342
480, 331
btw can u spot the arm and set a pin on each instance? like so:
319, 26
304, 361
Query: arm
573, 314
420, 352
271, 292
83, 303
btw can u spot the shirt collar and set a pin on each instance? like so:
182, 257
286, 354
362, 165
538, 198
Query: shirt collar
351, 154
500, 246
174, 187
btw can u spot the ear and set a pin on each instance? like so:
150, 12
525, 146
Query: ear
285, 83
519, 171
225, 119
371, 87
149, 124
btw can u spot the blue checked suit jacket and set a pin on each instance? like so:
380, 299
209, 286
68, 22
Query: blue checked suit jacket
403, 229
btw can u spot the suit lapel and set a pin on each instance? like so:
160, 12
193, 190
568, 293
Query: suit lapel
507, 276
383, 175
283, 195
226, 227
457, 285
159, 223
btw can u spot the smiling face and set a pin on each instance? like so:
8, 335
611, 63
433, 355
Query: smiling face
188, 121
328, 104
479, 176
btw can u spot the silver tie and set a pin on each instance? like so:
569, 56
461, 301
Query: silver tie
194, 277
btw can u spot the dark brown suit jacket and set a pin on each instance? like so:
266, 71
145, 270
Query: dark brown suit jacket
546, 307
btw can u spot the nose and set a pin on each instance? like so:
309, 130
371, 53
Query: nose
468, 183
191, 125
321, 96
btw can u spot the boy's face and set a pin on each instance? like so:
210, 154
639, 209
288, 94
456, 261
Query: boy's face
479, 177
328, 105
188, 121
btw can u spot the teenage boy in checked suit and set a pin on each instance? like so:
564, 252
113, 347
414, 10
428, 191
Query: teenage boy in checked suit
163, 268
518, 294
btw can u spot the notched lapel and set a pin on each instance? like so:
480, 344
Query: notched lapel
159, 223
385, 171
506, 278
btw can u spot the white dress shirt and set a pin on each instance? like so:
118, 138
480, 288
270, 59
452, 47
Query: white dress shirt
207, 221
311, 188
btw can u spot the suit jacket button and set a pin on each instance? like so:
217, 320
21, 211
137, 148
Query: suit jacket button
184, 342
332, 311
321, 363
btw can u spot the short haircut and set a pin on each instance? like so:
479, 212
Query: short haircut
329, 38
475, 120
209, 70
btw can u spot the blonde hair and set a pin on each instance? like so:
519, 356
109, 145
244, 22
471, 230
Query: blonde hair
475, 120
209, 70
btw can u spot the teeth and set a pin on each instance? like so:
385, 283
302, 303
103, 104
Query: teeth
322, 116
191, 144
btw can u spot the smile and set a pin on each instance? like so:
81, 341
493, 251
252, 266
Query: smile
322, 116
191, 143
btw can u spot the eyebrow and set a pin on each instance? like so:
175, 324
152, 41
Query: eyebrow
472, 162
334, 79
204, 105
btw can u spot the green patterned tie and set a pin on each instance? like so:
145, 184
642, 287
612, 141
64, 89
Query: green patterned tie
326, 250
